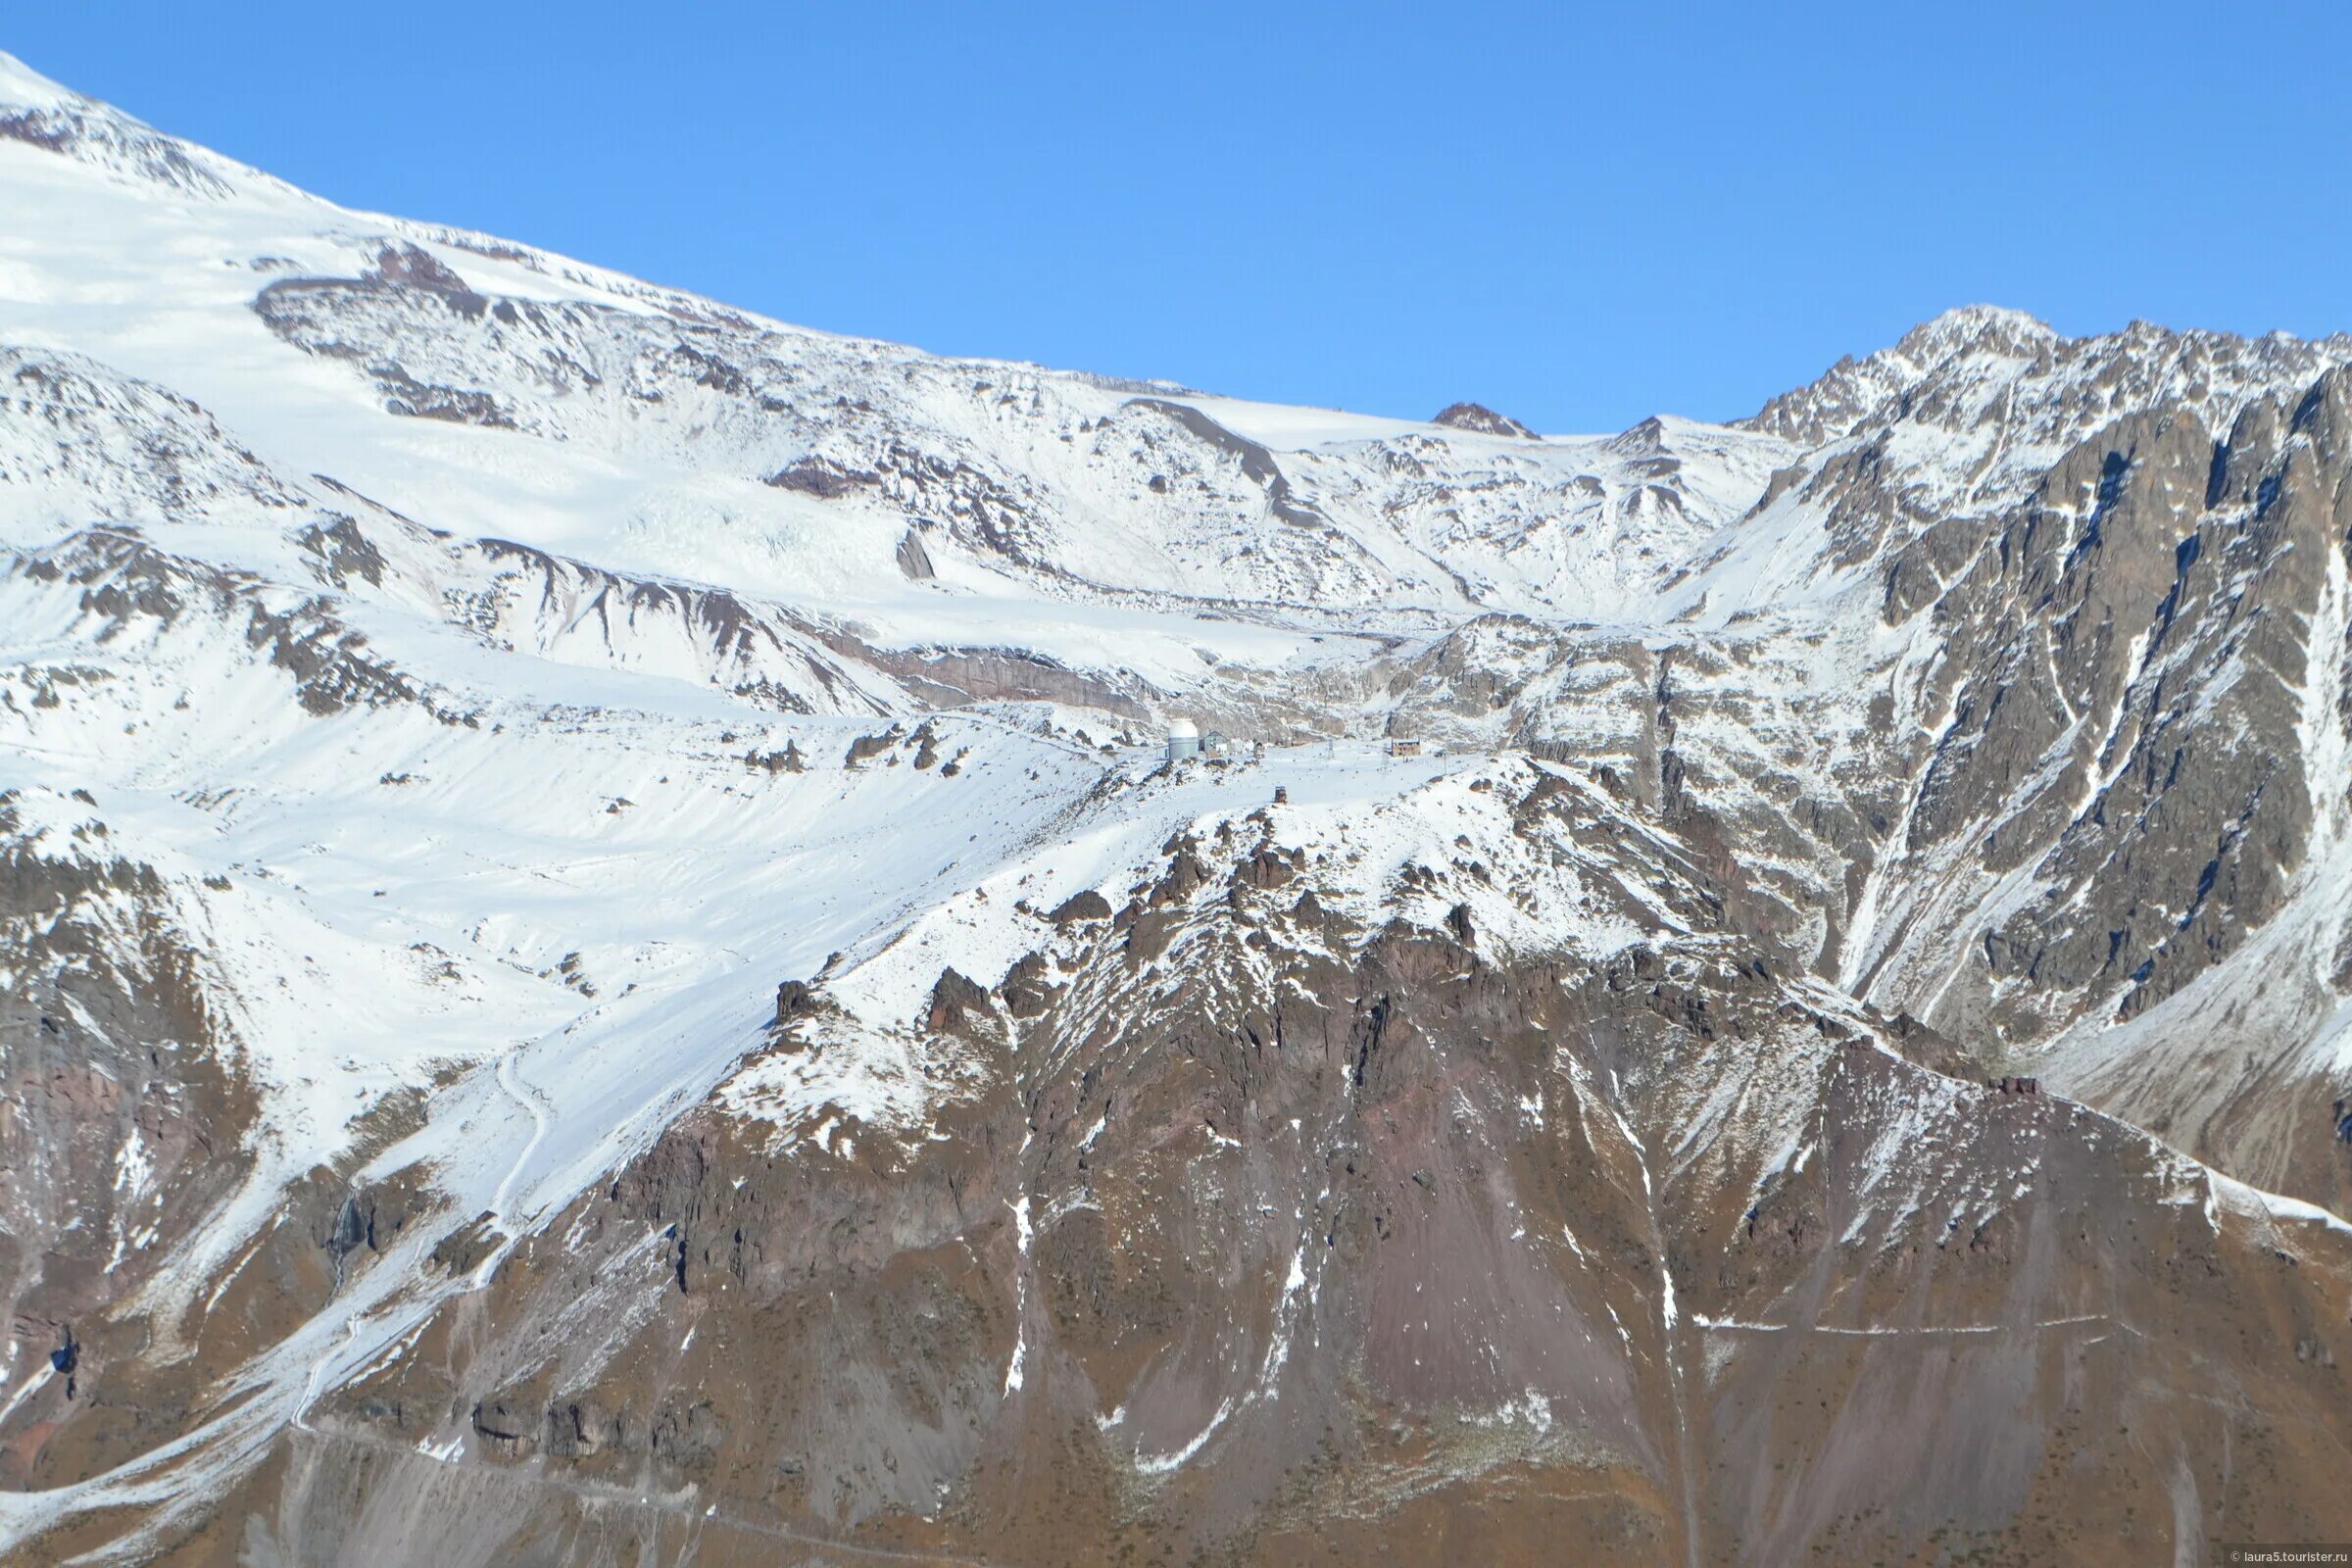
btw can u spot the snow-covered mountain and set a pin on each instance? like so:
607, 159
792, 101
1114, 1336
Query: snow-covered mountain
600, 963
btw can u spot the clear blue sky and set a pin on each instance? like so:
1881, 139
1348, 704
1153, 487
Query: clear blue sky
1578, 215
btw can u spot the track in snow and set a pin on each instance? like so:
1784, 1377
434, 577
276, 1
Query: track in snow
531, 1102
314, 1386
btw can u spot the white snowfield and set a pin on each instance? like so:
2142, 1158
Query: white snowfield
530, 842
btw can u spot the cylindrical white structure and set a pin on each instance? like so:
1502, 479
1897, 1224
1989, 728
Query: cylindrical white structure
1184, 738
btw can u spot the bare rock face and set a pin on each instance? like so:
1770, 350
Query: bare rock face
793, 999
820, 478
1084, 905
1480, 420
913, 559
1378, 1249
124, 1132
955, 999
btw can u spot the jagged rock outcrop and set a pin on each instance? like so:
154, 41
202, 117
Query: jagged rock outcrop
1480, 420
